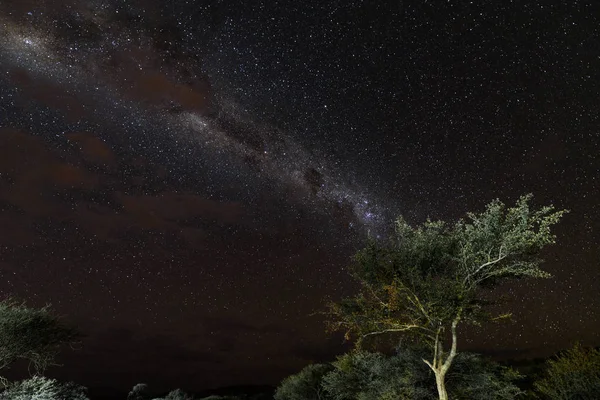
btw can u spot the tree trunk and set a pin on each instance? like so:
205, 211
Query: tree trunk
441, 385
441, 366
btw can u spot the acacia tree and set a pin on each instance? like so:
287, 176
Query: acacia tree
31, 334
429, 279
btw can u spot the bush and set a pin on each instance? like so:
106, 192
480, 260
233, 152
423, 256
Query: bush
138, 392
305, 385
573, 375
364, 375
42, 388
32, 334
475, 378
177, 394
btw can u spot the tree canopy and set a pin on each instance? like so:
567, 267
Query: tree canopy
42, 388
428, 279
33, 334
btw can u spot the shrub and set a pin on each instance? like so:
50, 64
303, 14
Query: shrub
42, 388
475, 378
305, 385
177, 394
364, 375
573, 375
138, 392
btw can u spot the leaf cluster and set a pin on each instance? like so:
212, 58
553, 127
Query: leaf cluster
367, 375
425, 277
573, 374
32, 334
42, 388
304, 385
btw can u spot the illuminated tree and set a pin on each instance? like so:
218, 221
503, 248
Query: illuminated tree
42, 388
31, 334
429, 279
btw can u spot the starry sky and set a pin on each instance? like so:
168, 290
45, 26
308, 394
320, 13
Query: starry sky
187, 180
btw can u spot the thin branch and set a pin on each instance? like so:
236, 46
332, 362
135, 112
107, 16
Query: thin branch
417, 303
429, 364
484, 265
435, 351
403, 329
366, 284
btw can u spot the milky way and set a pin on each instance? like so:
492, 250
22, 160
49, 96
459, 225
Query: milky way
192, 176
93, 55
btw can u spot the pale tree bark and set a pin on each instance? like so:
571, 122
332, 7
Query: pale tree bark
439, 366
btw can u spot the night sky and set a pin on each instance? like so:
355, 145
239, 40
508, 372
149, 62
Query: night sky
186, 181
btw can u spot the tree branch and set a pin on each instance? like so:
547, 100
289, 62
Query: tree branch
403, 329
484, 265
452, 354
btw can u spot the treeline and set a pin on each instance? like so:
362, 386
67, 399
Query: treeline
571, 375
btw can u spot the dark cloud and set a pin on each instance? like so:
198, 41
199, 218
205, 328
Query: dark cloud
93, 150
157, 89
314, 179
38, 182
56, 97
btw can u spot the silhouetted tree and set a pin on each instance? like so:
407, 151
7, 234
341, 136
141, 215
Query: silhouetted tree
429, 279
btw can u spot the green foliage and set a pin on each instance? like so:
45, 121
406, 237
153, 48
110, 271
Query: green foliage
305, 385
574, 374
475, 378
429, 279
364, 376
428, 276
31, 334
42, 388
